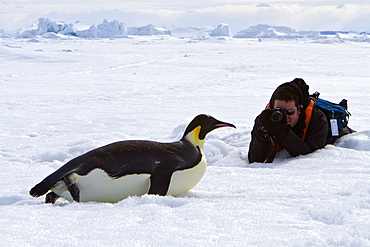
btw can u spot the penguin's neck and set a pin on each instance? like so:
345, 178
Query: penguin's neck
193, 138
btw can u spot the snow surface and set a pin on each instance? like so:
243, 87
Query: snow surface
62, 97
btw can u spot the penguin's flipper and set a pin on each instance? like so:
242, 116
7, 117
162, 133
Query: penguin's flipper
72, 187
51, 197
45, 185
161, 177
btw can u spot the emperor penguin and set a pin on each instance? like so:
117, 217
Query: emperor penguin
132, 168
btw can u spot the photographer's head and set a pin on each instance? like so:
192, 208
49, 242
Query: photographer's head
289, 105
287, 97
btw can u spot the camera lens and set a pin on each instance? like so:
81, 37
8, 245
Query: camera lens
277, 116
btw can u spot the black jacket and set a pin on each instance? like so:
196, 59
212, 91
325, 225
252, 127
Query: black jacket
261, 149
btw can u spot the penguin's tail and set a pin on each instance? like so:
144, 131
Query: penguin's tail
44, 186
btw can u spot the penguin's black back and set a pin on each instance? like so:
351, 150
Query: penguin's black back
131, 157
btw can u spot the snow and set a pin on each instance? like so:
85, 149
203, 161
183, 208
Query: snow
62, 97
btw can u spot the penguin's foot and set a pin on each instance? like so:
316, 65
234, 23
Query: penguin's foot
51, 197
72, 187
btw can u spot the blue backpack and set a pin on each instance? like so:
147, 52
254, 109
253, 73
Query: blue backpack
332, 110
336, 114
335, 111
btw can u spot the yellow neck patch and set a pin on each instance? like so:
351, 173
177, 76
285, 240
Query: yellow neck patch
193, 137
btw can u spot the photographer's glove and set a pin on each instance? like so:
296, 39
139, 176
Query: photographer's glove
278, 128
273, 128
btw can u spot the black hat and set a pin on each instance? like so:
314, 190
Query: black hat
301, 88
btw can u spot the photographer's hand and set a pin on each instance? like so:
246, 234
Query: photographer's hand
265, 122
261, 123
277, 128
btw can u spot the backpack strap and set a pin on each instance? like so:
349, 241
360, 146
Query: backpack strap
308, 111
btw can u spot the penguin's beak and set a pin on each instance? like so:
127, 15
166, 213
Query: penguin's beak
222, 124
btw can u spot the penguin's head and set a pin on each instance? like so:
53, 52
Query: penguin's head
200, 126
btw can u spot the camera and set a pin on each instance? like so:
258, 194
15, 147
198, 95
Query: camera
278, 115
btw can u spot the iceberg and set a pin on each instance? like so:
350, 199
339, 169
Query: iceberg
106, 29
221, 30
148, 30
267, 31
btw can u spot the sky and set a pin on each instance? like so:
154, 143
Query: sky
239, 15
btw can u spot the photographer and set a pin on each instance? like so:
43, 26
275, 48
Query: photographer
291, 122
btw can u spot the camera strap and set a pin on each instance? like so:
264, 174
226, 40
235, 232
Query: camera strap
272, 150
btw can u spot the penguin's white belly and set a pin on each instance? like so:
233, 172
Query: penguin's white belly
184, 180
98, 186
